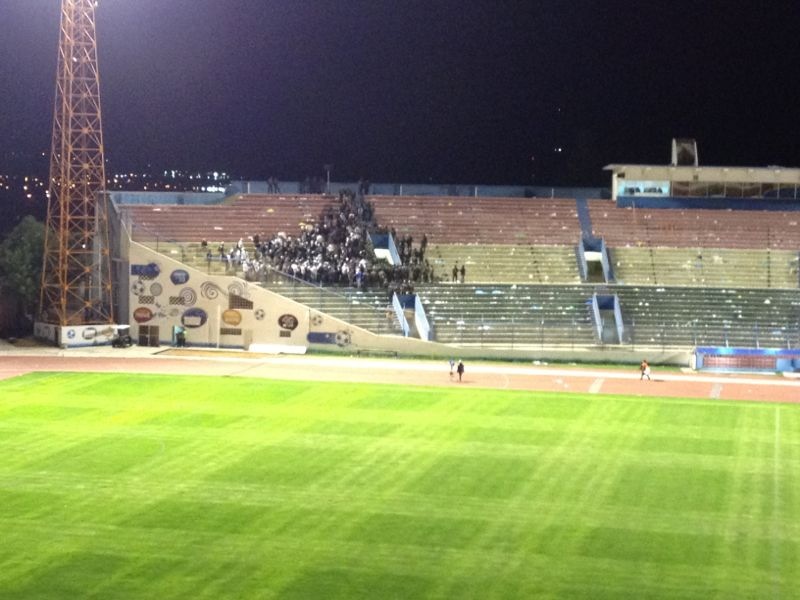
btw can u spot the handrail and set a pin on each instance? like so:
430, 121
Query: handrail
618, 319
608, 269
400, 314
583, 268
598, 320
421, 319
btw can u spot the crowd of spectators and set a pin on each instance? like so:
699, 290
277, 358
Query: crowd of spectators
414, 267
336, 250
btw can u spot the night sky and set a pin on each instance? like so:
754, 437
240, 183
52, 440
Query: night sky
465, 91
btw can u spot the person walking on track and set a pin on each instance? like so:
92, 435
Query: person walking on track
645, 370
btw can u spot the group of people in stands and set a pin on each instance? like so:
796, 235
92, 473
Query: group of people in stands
462, 272
414, 266
335, 250
236, 256
331, 251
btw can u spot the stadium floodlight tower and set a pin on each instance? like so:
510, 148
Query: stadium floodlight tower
75, 302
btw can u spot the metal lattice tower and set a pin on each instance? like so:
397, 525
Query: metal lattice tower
76, 277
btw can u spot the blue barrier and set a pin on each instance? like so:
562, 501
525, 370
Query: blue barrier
401, 316
421, 319
716, 203
774, 359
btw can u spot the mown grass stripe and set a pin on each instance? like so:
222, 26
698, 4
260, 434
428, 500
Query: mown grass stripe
219, 487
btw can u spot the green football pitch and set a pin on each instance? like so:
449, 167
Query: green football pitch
138, 486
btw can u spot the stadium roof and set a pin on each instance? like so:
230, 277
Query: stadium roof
771, 174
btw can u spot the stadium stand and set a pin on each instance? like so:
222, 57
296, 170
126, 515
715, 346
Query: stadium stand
510, 315
501, 263
693, 228
480, 220
502, 240
686, 316
368, 309
684, 277
240, 217
705, 267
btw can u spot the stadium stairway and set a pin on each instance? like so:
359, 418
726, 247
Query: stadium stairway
584, 218
368, 309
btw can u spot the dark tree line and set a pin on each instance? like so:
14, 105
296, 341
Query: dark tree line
20, 273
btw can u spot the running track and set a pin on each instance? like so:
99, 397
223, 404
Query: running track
769, 388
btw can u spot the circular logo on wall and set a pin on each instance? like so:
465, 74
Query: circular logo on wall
149, 271
179, 277
342, 338
194, 317
142, 314
289, 322
138, 287
231, 317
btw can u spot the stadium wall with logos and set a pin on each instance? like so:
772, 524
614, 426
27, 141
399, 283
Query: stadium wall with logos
226, 312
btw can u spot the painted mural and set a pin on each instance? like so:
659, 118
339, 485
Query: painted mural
220, 311
211, 310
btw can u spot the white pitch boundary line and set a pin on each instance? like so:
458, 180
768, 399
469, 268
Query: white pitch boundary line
596, 385
400, 365
505, 381
776, 546
430, 366
716, 391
